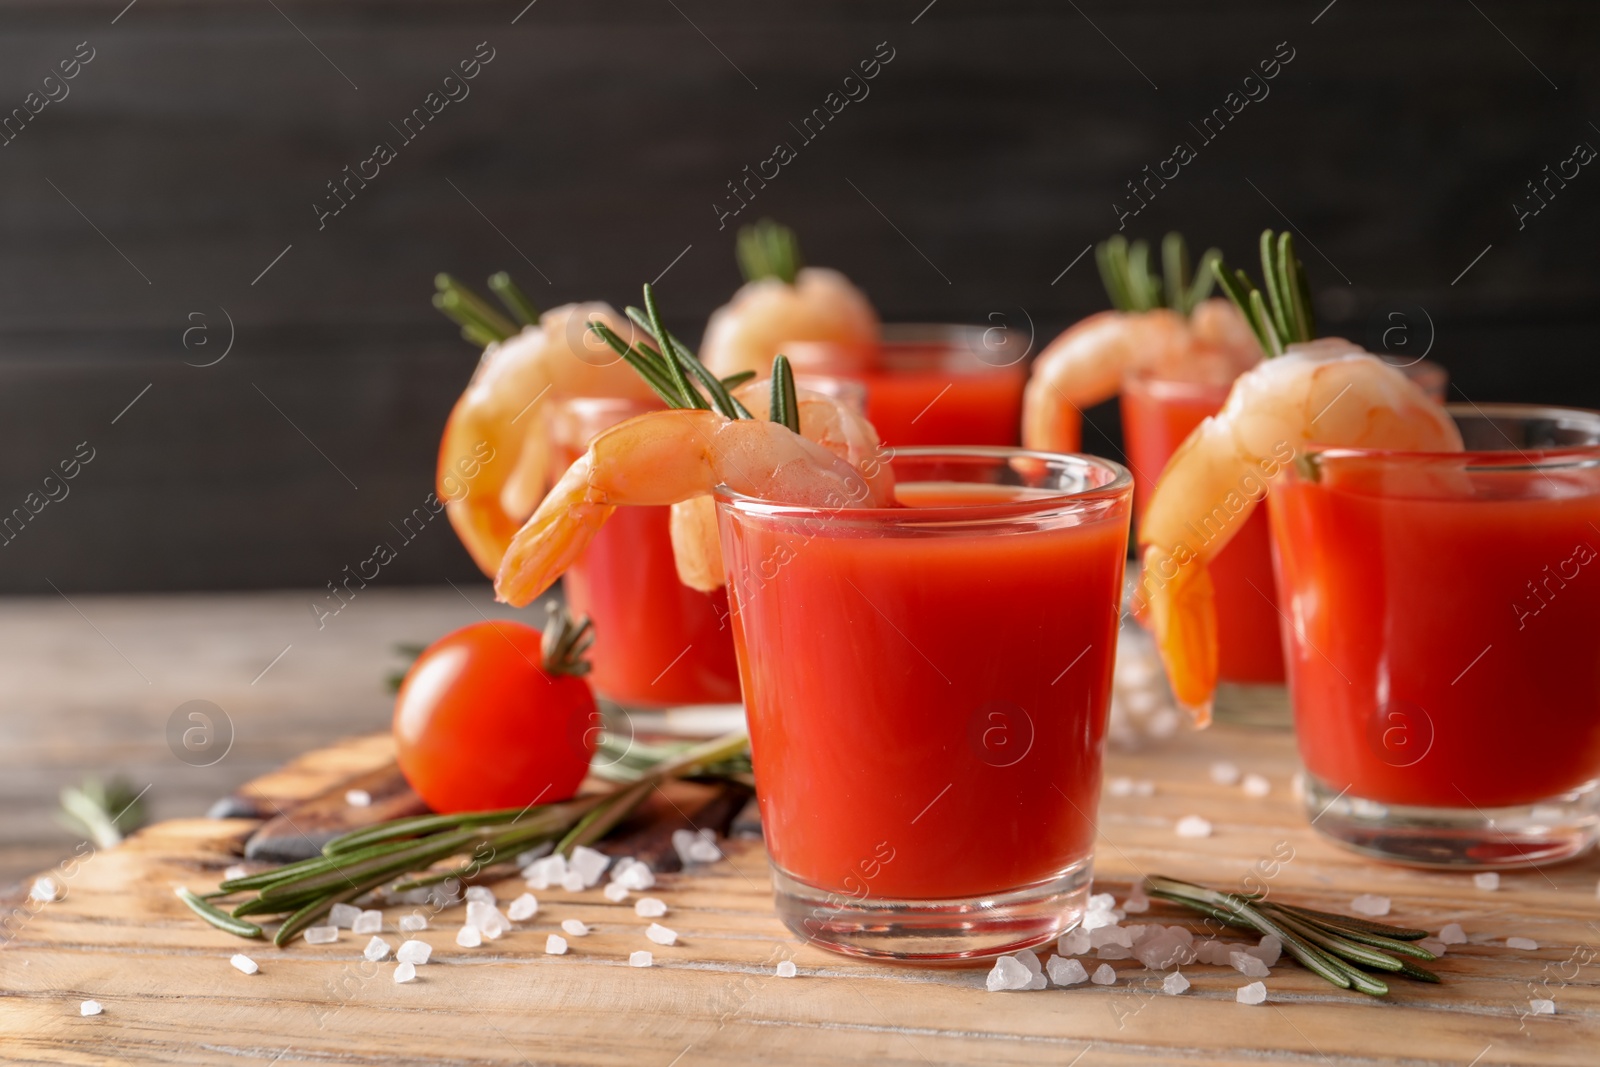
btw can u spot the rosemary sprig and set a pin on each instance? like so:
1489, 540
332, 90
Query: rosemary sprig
1327, 944
1281, 316
1132, 286
768, 250
359, 862
785, 404
481, 324
102, 811
516, 302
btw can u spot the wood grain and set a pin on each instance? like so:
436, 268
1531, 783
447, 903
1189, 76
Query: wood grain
120, 937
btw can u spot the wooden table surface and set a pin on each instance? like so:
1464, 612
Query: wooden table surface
120, 937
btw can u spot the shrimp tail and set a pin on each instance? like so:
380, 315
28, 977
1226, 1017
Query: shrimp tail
557, 533
695, 545
1182, 614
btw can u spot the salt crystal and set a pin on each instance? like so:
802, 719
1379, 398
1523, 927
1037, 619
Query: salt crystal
620, 864
638, 876
1268, 950
1174, 983
1110, 935
1194, 826
1433, 945
578, 929
1065, 971
1103, 975
572, 882
1453, 934
615, 892
1224, 773
1113, 952
1542, 1007
1213, 952
358, 798
525, 859
523, 908
705, 850
1029, 959
90, 1007
589, 863
661, 935
1139, 932
321, 935
555, 945
649, 908
1256, 785
1487, 880
414, 952
1094, 920
1036, 982
413, 922
487, 918
1074, 942
1007, 974
480, 892
1162, 949
1182, 933
1121, 787
238, 870
404, 972
368, 922
344, 915
244, 963
787, 969
376, 949
1102, 902
1370, 904
1137, 901
45, 890
681, 839
469, 937
1247, 965
640, 959
1522, 942
1254, 993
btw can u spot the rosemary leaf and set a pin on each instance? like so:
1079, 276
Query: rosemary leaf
516, 302
1175, 272
785, 404
217, 917
674, 367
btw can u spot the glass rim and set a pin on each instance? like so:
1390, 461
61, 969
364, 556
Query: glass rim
912, 346
1510, 458
1047, 501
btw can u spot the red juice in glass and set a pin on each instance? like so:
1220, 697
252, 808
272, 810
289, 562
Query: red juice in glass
1442, 667
657, 642
927, 690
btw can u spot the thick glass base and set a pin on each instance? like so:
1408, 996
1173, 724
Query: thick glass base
934, 931
1263, 705
1465, 839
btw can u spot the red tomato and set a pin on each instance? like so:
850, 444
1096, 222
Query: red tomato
480, 723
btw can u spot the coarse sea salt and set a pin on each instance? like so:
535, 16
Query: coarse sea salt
1256, 785
637, 876
1542, 1007
404, 972
1120, 787
1103, 975
413, 922
487, 918
469, 937
1066, 971
1254, 993
358, 798
238, 870
414, 952
555, 945
1487, 880
45, 890
649, 908
244, 963
1029, 959
523, 908
376, 949
368, 922
1137, 901
321, 935
90, 1007
641, 958
1193, 826
1370, 904
1224, 773
1452, 934
1433, 945
1522, 943
1174, 984
575, 927
1268, 950
1007, 975
1110, 935
480, 892
344, 915
1247, 965
661, 935
589, 863
787, 969
1074, 942
615, 892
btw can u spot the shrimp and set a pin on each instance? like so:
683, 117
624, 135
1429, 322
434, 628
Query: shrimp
1087, 363
1320, 393
664, 457
492, 459
821, 305
823, 419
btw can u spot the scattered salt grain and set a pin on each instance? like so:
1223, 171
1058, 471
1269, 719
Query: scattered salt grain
1453, 934
358, 798
1487, 880
1037, 982
1114, 952
704, 849
404, 972
376, 949
344, 915
1103, 975
787, 969
526, 859
637, 876
1094, 920
577, 929
244, 963
1101, 902
90, 1007
480, 892
45, 890
1066, 972
1110, 935
1029, 959
640, 959
589, 863
661, 935
321, 935
523, 908
649, 908
1224, 773
1074, 942
1213, 952
1174, 983
1121, 787
1137, 901
1194, 826
238, 870
1522, 942
1007, 974
555, 945
413, 922
615, 892
572, 882
487, 918
1433, 945
1268, 950
1254, 993
469, 937
368, 922
1542, 1007
414, 952
546, 872
1370, 904
1247, 965
1256, 785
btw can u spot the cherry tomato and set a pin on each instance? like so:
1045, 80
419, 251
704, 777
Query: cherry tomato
481, 723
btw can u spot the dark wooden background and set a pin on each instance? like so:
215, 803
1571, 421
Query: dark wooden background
190, 150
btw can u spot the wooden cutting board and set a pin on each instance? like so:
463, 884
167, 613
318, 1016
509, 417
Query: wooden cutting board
120, 937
